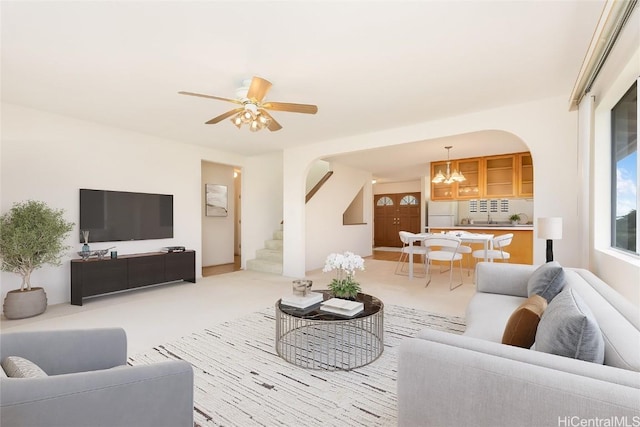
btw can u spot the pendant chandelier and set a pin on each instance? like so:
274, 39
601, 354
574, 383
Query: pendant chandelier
449, 178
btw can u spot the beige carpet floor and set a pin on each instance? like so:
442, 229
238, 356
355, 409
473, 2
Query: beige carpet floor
155, 315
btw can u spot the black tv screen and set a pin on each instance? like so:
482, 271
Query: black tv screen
114, 216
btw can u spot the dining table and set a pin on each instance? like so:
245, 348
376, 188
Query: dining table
465, 237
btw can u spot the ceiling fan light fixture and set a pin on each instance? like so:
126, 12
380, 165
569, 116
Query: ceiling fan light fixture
254, 126
252, 106
237, 120
264, 120
247, 117
250, 113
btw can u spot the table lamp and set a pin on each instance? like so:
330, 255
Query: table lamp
550, 229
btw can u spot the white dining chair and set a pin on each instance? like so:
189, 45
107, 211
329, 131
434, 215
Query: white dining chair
407, 242
463, 249
498, 252
442, 247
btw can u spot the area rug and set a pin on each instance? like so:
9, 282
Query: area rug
241, 381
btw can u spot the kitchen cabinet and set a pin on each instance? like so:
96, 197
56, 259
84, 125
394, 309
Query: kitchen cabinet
492, 177
442, 191
525, 175
471, 188
500, 176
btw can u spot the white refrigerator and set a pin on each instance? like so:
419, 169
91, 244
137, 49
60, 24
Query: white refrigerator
441, 214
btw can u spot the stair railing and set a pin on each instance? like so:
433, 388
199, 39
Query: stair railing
316, 187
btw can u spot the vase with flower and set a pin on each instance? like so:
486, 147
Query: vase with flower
344, 285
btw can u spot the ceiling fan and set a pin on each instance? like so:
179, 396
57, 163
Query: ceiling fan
253, 108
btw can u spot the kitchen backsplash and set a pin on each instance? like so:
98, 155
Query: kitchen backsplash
498, 209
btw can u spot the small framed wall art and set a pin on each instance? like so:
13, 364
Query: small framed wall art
216, 200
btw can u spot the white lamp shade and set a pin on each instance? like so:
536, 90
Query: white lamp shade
550, 228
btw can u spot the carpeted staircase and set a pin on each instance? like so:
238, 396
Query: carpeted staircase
269, 259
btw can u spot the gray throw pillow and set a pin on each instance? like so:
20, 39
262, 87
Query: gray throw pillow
547, 281
19, 367
568, 328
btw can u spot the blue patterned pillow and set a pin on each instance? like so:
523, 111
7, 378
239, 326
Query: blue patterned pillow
19, 367
547, 281
569, 328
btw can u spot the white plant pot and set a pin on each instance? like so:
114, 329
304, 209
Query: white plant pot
21, 304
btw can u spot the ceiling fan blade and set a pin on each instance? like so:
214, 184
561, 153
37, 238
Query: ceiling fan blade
273, 125
221, 117
235, 101
292, 108
258, 89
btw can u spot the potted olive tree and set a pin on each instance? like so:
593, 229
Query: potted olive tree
31, 235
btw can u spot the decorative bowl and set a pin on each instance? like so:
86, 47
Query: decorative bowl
100, 253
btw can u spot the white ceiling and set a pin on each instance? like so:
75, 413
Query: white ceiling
368, 65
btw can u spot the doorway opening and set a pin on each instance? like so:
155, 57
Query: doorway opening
220, 216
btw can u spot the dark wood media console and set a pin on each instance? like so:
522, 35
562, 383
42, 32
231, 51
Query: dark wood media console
102, 276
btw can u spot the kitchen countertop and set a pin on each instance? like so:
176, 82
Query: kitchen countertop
522, 227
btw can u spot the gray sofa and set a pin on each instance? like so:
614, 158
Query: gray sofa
474, 380
89, 384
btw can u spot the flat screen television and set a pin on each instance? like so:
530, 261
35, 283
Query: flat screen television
114, 216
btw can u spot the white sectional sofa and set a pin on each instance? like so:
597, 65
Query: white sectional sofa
475, 380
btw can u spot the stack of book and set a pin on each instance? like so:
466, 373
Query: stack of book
342, 307
302, 302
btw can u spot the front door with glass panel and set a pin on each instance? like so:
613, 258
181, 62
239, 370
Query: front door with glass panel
394, 213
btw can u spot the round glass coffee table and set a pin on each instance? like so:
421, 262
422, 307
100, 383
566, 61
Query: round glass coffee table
315, 339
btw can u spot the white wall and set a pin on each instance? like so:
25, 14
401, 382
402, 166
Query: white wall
546, 126
397, 187
325, 232
317, 171
620, 270
50, 157
218, 231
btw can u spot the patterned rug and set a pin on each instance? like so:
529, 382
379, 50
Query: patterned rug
241, 381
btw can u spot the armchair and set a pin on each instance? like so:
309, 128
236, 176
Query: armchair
89, 383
